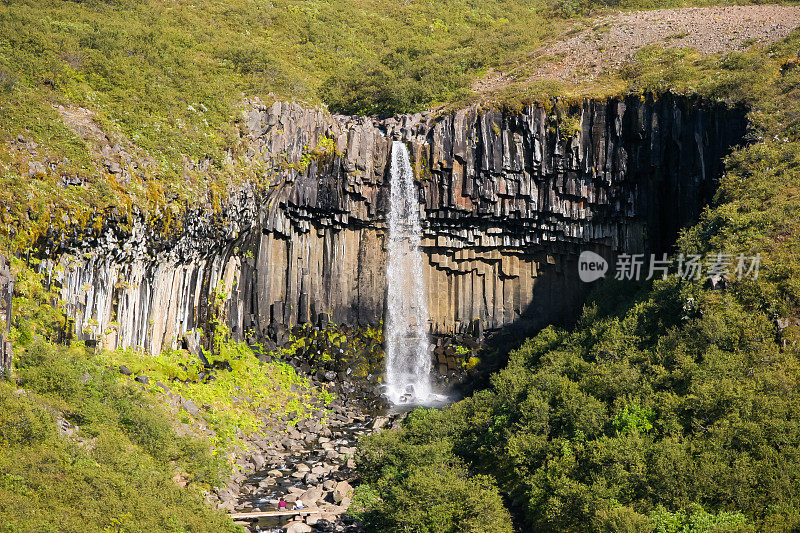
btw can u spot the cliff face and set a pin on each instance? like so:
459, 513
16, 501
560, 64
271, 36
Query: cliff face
508, 202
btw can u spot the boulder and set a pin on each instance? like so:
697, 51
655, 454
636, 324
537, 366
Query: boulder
312, 496
191, 407
342, 490
297, 527
258, 461
380, 422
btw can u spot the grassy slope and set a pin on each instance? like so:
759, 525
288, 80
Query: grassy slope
670, 407
117, 474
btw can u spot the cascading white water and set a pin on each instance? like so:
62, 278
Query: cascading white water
408, 359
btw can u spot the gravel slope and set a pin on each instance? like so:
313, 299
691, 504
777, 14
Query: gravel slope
609, 40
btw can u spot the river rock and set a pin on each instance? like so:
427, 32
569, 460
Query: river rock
311, 496
332, 454
380, 422
342, 490
258, 460
297, 527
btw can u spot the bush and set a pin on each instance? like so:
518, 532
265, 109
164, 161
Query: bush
421, 486
697, 520
640, 408
22, 424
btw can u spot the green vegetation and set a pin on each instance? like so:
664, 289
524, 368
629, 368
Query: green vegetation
696, 520
683, 399
670, 406
114, 472
413, 481
234, 390
338, 348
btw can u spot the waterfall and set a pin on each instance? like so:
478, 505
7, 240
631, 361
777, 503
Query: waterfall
408, 350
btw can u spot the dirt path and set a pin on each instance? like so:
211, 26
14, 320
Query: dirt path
609, 40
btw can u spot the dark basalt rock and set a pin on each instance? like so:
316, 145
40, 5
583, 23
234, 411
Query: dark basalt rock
509, 200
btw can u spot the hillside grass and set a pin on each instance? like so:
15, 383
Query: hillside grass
116, 472
236, 399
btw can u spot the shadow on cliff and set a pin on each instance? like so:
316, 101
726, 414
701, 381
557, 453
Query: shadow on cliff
611, 296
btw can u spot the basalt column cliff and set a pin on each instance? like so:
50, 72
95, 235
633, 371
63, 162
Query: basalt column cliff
508, 200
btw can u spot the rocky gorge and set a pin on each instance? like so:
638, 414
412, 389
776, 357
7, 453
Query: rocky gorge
312, 462
508, 200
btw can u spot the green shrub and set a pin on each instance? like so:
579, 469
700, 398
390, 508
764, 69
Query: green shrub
697, 520
21, 423
634, 418
421, 486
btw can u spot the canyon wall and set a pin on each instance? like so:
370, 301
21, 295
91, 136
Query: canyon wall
508, 200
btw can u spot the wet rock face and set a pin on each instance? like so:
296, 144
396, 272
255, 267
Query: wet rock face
508, 202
